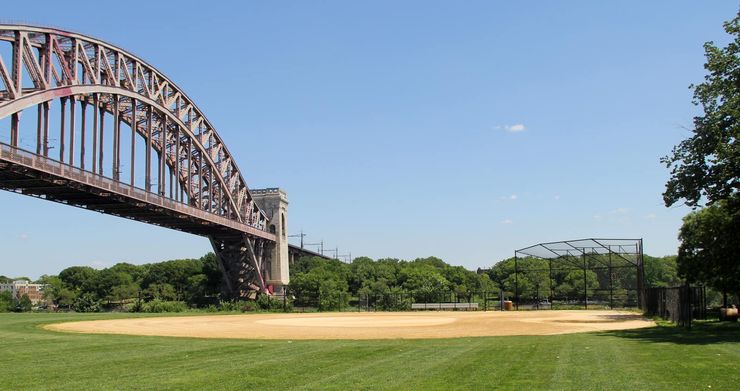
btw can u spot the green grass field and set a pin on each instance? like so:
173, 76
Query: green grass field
661, 358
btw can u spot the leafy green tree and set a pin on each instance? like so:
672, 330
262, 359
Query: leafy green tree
24, 304
56, 291
124, 292
137, 272
6, 301
709, 247
707, 165
424, 282
213, 273
322, 286
87, 302
573, 283
161, 291
82, 278
174, 273
107, 280
661, 272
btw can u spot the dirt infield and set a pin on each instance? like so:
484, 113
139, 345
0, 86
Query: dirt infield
380, 325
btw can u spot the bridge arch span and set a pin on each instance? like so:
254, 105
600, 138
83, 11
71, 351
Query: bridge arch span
78, 85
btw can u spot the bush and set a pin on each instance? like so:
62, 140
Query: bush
269, 303
158, 306
86, 302
6, 301
235, 305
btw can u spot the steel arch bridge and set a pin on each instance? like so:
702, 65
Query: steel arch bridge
85, 123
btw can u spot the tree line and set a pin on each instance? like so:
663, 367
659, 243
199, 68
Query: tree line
390, 283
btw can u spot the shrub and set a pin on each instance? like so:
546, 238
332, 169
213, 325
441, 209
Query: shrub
270, 303
237, 305
86, 302
157, 306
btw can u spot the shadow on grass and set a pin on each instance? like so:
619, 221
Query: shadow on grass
701, 333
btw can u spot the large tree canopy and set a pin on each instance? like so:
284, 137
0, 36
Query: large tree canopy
709, 247
705, 167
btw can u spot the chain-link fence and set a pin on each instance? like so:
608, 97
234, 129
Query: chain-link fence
386, 301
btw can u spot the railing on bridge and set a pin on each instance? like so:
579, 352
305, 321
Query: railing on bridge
65, 171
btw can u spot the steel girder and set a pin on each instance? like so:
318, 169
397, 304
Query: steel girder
91, 78
49, 64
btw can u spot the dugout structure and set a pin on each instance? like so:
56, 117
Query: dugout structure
582, 272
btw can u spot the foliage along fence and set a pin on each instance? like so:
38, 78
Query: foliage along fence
390, 301
590, 298
678, 304
485, 300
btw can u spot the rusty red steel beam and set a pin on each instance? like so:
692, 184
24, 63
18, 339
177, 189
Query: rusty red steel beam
68, 172
70, 66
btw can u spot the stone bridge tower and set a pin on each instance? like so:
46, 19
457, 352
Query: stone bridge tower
274, 203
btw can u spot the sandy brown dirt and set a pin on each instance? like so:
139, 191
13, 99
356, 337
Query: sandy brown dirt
380, 325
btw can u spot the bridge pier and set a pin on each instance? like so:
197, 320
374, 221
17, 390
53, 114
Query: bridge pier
242, 261
274, 203
254, 265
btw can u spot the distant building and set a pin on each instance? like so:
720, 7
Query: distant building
19, 288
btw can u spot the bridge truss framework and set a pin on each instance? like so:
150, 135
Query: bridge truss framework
94, 126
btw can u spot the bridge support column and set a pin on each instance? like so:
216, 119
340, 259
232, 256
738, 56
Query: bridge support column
241, 260
274, 202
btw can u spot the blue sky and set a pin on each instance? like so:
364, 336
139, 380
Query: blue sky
463, 130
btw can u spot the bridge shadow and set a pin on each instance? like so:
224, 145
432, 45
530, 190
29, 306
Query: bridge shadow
701, 333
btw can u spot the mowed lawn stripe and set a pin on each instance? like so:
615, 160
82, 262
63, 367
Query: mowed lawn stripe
660, 358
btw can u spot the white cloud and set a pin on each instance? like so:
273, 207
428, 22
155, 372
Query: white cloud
619, 211
650, 216
557, 197
513, 197
512, 128
507, 221
23, 236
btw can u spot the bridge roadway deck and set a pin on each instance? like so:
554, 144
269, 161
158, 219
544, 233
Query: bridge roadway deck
27, 173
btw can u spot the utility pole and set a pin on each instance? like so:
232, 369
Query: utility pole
320, 244
335, 251
301, 235
347, 257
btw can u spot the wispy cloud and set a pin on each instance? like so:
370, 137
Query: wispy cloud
650, 216
512, 128
506, 221
618, 215
512, 197
23, 236
556, 197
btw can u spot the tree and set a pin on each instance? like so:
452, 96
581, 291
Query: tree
79, 278
87, 302
707, 165
6, 301
56, 291
661, 272
163, 291
424, 282
123, 292
709, 247
323, 286
24, 304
